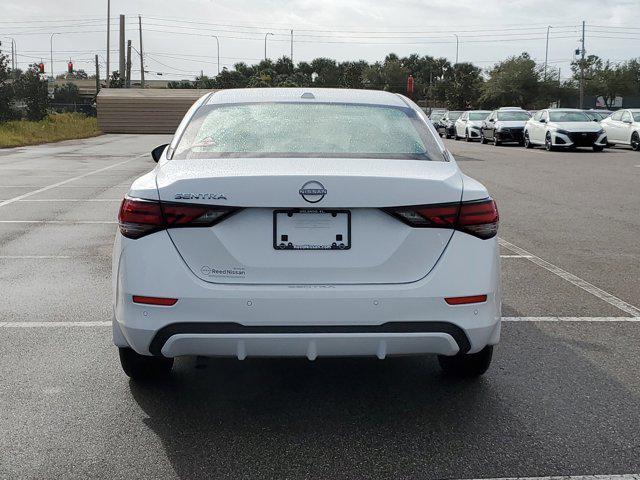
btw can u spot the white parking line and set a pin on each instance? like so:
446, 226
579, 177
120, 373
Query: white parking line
62, 222
571, 278
47, 200
504, 319
36, 257
53, 324
64, 182
571, 319
628, 476
515, 256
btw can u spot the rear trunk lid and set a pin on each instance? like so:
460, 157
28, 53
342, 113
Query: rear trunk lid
243, 248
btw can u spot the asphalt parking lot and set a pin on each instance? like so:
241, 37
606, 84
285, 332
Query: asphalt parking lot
562, 396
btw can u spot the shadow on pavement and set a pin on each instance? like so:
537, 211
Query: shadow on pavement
541, 410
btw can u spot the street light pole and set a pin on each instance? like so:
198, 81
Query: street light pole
108, 41
265, 44
218, 45
457, 42
51, 46
546, 54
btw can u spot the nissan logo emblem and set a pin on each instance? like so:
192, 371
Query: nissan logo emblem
313, 191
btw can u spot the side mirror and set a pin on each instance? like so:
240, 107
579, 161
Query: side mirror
627, 121
491, 120
542, 120
156, 153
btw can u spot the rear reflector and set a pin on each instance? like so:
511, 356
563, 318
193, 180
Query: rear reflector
165, 302
466, 300
479, 217
138, 217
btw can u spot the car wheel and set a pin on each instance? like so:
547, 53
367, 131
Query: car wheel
467, 138
527, 143
144, 367
496, 142
548, 144
635, 141
466, 365
483, 140
598, 148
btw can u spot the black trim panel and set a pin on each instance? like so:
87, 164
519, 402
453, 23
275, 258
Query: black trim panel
167, 332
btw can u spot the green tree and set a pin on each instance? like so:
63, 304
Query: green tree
328, 72
460, 86
7, 94
230, 79
115, 81
32, 90
66, 97
605, 79
514, 81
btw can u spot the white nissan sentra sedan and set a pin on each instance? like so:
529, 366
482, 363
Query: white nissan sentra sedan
306, 223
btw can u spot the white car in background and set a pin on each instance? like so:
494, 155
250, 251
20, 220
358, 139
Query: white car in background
469, 124
564, 128
306, 223
623, 126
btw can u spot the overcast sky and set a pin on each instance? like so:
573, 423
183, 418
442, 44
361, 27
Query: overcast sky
177, 34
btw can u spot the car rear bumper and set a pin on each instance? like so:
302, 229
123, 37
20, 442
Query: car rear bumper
304, 320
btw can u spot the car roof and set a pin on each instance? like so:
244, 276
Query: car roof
509, 108
330, 95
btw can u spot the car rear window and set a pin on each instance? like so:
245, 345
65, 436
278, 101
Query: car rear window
290, 129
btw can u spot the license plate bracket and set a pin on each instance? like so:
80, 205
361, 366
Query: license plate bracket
311, 229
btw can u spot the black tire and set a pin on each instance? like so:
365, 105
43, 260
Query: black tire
548, 145
635, 141
144, 367
466, 365
527, 142
467, 138
598, 148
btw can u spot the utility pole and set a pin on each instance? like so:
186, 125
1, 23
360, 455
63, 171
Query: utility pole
141, 57
108, 39
265, 44
128, 80
546, 54
97, 76
292, 46
122, 66
582, 69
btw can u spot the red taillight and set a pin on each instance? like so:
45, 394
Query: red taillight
479, 218
466, 300
138, 218
164, 302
